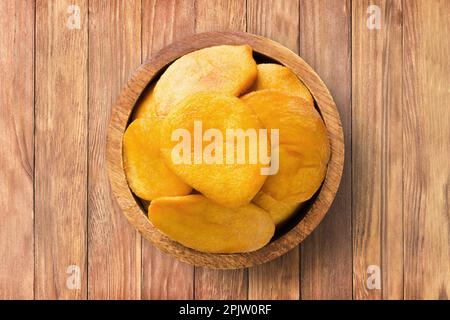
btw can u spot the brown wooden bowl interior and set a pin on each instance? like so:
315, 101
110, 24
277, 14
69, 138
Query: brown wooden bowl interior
306, 218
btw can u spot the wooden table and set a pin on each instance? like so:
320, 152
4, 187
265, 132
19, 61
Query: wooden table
61, 233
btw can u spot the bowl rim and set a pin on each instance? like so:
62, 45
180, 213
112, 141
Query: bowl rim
123, 109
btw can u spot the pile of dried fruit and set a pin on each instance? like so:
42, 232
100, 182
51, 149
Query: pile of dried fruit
221, 206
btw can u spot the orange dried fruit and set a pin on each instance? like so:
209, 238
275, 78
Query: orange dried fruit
280, 211
304, 149
200, 224
146, 105
224, 69
275, 76
299, 175
147, 174
230, 184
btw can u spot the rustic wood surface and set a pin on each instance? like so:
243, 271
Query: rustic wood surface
60, 150
377, 150
326, 256
391, 86
114, 251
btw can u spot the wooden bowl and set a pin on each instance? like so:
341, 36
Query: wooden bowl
308, 217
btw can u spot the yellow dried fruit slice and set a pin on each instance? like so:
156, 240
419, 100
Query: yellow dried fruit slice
280, 211
229, 183
200, 224
147, 174
275, 76
223, 69
299, 177
304, 148
299, 124
146, 105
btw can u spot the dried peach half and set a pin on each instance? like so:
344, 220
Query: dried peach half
298, 122
275, 76
280, 211
147, 174
224, 69
196, 147
304, 149
146, 106
200, 224
299, 176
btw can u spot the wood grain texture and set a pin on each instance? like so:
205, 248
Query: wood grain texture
279, 21
60, 151
276, 280
366, 150
16, 150
221, 284
163, 276
224, 15
326, 256
392, 95
399, 142
114, 245
377, 150
426, 170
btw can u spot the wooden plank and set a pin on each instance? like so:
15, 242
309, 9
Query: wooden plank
114, 245
326, 256
60, 151
366, 151
165, 277
426, 132
16, 149
224, 15
164, 22
377, 149
276, 280
221, 284
392, 153
278, 20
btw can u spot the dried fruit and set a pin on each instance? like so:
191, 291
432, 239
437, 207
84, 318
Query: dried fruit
147, 174
304, 148
146, 105
222, 69
229, 184
280, 211
275, 76
200, 224
185, 126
